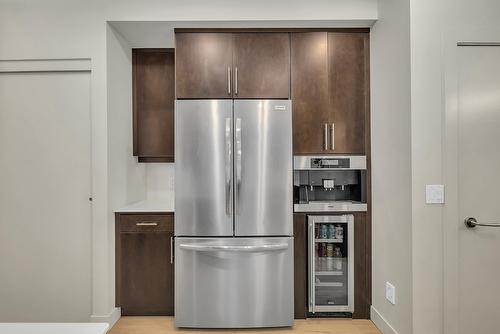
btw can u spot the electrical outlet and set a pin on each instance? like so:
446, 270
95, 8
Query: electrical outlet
390, 293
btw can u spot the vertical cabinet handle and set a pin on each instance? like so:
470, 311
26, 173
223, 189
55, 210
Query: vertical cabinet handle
228, 80
171, 250
236, 80
326, 137
332, 135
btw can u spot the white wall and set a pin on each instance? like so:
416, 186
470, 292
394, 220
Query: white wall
160, 181
391, 165
126, 177
31, 29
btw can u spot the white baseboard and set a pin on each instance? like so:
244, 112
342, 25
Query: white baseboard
111, 318
380, 322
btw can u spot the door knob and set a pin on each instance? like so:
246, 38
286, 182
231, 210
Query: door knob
471, 222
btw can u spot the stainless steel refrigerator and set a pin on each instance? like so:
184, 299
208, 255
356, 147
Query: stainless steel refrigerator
233, 213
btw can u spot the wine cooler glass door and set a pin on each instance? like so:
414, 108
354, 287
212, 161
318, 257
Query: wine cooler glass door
331, 267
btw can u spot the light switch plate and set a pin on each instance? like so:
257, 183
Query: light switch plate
390, 293
434, 194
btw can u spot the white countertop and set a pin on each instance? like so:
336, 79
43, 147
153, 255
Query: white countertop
157, 204
53, 328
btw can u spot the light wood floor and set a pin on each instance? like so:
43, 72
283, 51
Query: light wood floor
165, 325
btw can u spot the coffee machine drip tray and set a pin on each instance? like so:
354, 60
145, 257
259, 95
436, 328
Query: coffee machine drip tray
330, 206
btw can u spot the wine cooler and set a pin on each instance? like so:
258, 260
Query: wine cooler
331, 263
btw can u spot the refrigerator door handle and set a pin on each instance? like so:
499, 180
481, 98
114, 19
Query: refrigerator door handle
228, 165
223, 248
238, 165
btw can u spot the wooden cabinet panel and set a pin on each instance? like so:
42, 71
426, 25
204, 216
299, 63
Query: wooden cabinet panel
153, 97
348, 86
202, 65
362, 275
310, 95
330, 85
262, 63
144, 274
300, 265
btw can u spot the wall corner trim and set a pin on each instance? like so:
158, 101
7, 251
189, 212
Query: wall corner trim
380, 322
110, 318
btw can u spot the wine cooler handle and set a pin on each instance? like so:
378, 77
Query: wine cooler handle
312, 260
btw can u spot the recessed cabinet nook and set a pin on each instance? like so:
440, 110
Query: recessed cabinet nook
325, 73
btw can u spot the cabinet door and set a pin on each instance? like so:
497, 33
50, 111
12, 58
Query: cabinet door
348, 85
203, 64
300, 265
310, 96
261, 65
153, 95
145, 274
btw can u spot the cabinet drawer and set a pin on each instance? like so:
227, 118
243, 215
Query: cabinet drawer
146, 223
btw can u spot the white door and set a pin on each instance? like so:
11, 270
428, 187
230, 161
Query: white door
45, 221
478, 152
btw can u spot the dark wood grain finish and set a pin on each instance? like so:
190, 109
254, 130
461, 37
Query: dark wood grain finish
202, 63
263, 64
144, 274
300, 265
146, 223
310, 95
153, 103
346, 80
361, 281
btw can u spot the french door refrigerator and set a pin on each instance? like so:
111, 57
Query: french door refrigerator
233, 213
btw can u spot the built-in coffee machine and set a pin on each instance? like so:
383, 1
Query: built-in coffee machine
329, 183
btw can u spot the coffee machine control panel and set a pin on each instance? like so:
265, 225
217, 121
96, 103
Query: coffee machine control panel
330, 163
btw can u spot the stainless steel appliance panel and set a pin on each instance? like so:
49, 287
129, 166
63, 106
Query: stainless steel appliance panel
350, 206
203, 168
304, 162
234, 282
263, 167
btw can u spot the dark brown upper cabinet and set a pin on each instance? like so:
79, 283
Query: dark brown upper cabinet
330, 92
348, 81
204, 65
232, 65
261, 64
153, 104
310, 97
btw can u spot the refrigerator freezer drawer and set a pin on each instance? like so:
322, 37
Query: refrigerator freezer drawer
233, 282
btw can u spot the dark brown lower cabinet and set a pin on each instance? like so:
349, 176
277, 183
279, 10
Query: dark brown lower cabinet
144, 270
300, 265
362, 272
